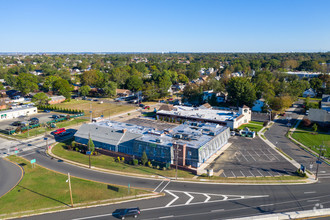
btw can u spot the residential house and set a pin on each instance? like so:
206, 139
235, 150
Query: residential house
309, 93
320, 116
56, 99
258, 105
220, 96
123, 92
325, 102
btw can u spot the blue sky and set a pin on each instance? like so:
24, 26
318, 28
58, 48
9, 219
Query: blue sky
164, 25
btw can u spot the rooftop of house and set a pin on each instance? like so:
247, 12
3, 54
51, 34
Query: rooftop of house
194, 135
196, 112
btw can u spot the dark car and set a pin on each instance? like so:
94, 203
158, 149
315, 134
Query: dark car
141, 105
34, 120
46, 110
55, 116
130, 212
16, 123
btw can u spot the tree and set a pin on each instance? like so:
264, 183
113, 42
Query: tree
40, 99
84, 90
110, 89
144, 158
241, 91
314, 127
280, 103
49, 82
134, 83
315, 83
27, 83
183, 78
91, 146
63, 87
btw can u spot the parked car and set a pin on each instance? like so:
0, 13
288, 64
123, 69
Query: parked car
59, 131
16, 123
34, 121
55, 116
130, 212
65, 133
63, 115
146, 107
47, 111
141, 105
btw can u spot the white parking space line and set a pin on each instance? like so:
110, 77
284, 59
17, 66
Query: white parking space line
233, 173
310, 192
237, 158
265, 205
269, 173
251, 156
266, 155
242, 173
224, 173
256, 153
272, 154
169, 216
217, 210
260, 173
190, 199
244, 156
251, 173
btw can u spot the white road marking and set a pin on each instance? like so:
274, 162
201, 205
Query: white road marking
165, 186
225, 197
265, 205
266, 155
251, 173
251, 156
191, 198
158, 186
272, 154
269, 173
322, 171
237, 158
242, 173
169, 216
207, 197
309, 192
233, 173
217, 210
175, 198
224, 173
95, 216
315, 200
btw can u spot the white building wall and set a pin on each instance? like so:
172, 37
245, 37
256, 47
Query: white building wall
15, 113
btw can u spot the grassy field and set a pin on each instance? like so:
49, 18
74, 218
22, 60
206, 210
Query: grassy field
252, 127
41, 188
41, 130
107, 162
104, 109
312, 140
257, 122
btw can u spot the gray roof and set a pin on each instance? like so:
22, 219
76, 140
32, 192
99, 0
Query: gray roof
105, 134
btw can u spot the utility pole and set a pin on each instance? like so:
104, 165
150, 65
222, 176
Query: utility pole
318, 162
89, 149
176, 158
70, 189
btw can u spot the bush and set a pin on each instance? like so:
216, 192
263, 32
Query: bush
149, 164
306, 122
77, 149
135, 162
118, 159
265, 123
144, 158
123, 159
204, 175
314, 127
157, 167
164, 168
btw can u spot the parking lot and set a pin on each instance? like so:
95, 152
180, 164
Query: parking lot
43, 117
248, 157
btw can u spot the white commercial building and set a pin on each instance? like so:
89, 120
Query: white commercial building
17, 112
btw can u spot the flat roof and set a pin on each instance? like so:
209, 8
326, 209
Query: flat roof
17, 108
193, 134
202, 113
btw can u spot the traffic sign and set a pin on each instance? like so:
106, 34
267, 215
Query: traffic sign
16, 151
33, 161
319, 162
88, 152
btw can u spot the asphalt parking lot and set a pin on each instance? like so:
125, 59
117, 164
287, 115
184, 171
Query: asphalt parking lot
150, 123
248, 157
43, 117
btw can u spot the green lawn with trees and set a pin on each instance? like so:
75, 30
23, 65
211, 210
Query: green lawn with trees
45, 190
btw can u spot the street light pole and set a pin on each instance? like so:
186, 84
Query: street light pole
318, 160
70, 189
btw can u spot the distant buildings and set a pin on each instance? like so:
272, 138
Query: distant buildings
258, 105
56, 99
303, 74
309, 93
18, 112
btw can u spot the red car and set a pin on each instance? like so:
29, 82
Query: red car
59, 131
146, 107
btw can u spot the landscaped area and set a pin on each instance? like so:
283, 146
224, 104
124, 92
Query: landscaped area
43, 189
108, 162
105, 109
253, 126
313, 140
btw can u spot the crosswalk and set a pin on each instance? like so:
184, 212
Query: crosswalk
181, 198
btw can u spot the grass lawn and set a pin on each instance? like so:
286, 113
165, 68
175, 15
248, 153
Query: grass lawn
257, 122
104, 109
41, 130
41, 188
310, 140
252, 127
107, 162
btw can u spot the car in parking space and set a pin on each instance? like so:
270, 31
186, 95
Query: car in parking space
16, 123
232, 133
130, 212
65, 133
34, 120
47, 111
141, 105
59, 131
55, 116
146, 107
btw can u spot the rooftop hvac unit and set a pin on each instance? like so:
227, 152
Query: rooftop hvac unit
159, 140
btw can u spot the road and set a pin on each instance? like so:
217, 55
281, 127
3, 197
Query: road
10, 175
185, 200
